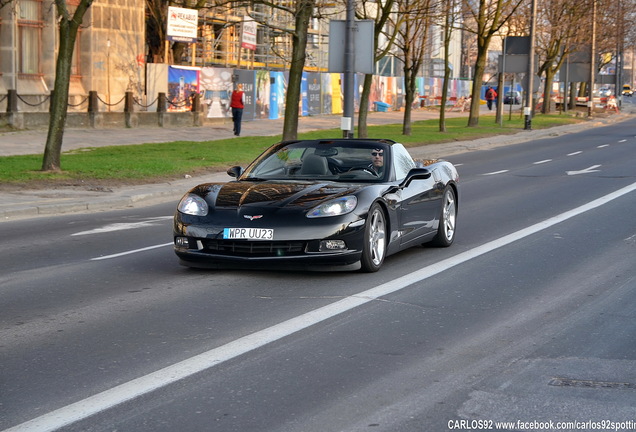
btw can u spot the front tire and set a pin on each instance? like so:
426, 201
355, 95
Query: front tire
374, 248
447, 220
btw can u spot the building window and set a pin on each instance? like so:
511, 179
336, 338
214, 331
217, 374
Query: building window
75, 64
29, 36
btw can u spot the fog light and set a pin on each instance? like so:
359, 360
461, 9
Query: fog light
332, 245
182, 242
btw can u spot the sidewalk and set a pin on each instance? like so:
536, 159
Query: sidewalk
61, 200
33, 141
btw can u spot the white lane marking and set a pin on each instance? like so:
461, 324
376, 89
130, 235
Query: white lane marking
584, 171
623, 140
186, 368
495, 172
575, 153
603, 146
542, 162
131, 252
124, 226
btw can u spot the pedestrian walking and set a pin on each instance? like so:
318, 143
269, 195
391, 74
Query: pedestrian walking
237, 103
491, 95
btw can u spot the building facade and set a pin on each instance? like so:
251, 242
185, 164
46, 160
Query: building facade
112, 50
109, 54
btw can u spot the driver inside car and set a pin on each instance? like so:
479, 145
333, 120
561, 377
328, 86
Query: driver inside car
377, 161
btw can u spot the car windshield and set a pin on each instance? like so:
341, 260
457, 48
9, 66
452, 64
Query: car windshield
328, 160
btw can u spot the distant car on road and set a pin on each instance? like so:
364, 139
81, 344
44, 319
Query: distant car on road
627, 90
605, 92
326, 201
512, 97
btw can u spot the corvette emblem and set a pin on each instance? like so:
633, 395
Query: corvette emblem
252, 217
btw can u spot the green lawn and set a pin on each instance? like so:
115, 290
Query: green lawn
147, 162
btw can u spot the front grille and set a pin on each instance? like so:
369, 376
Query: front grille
254, 248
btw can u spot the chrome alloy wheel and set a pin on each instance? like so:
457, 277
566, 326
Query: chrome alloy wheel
374, 246
449, 215
377, 237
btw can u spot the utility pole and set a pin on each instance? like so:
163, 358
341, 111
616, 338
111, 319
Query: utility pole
348, 90
590, 101
530, 89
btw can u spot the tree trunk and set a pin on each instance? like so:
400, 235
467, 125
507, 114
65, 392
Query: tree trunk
447, 72
299, 48
409, 81
475, 104
68, 27
363, 112
547, 91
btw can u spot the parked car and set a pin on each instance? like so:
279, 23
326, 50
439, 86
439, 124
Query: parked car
605, 92
319, 202
512, 97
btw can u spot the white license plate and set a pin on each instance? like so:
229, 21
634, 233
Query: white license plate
248, 233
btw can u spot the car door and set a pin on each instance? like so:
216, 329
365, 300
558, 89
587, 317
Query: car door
420, 200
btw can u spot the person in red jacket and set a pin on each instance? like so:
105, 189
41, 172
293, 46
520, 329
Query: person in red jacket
237, 103
491, 95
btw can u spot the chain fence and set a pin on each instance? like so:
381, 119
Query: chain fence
93, 101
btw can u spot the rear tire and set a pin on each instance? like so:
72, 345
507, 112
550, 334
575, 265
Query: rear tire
447, 220
374, 248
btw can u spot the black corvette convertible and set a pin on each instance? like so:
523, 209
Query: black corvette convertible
319, 202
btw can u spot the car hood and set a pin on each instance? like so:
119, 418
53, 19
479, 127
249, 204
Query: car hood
271, 194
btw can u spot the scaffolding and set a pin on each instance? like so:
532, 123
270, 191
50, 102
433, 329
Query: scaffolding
219, 41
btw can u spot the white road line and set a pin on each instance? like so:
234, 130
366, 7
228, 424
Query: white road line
124, 226
495, 172
186, 368
603, 146
131, 252
575, 153
542, 162
623, 140
584, 171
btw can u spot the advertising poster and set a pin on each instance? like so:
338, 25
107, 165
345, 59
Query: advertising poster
304, 102
325, 91
183, 82
277, 95
336, 93
313, 93
262, 94
216, 84
248, 79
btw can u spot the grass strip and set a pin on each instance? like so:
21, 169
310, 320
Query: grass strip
170, 160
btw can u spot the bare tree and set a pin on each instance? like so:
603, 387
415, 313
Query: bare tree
300, 13
559, 33
485, 18
449, 9
68, 24
379, 11
415, 17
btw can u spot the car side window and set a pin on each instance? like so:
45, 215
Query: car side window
402, 161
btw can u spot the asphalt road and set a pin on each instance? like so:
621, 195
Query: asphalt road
527, 318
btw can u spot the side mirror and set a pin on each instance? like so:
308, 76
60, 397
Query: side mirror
415, 174
235, 171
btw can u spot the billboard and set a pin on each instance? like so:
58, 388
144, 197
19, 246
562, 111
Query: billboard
182, 24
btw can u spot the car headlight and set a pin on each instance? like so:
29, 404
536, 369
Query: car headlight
193, 205
335, 207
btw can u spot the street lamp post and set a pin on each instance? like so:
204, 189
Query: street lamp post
530, 89
590, 102
347, 115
